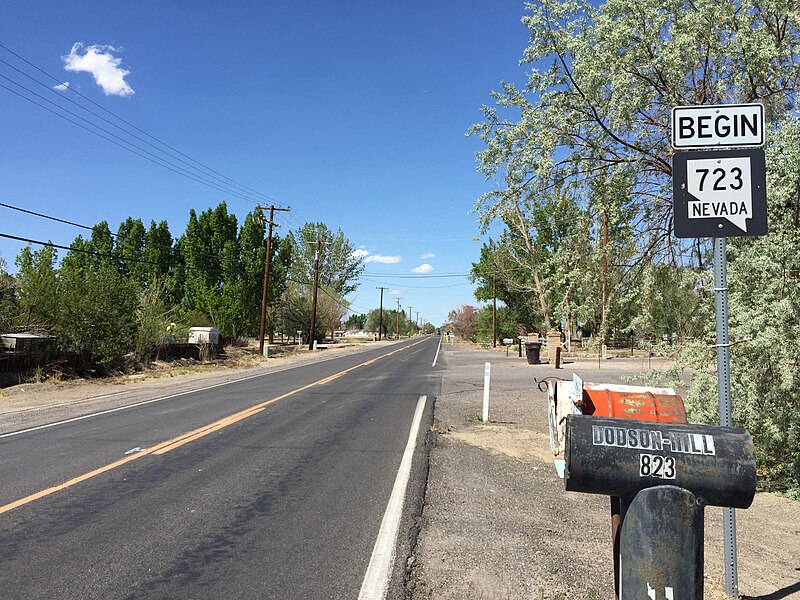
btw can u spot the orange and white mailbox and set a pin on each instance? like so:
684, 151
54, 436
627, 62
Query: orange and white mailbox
663, 405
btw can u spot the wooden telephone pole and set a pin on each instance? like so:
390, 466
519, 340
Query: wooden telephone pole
319, 244
380, 315
265, 291
398, 317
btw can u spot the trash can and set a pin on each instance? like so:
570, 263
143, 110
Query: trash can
532, 350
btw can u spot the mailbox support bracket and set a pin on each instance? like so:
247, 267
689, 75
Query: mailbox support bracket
662, 536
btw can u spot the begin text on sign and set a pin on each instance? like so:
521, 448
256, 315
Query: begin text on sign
718, 126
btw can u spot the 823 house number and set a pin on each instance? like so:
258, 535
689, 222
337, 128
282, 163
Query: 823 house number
655, 465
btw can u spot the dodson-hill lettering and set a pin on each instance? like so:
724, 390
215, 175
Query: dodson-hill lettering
653, 439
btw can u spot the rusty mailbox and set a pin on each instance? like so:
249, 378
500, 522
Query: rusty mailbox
665, 474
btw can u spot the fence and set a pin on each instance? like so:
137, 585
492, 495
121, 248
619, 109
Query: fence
16, 362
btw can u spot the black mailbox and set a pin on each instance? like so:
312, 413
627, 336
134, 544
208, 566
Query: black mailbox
619, 457
664, 474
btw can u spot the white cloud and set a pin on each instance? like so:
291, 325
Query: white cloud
428, 255
394, 293
103, 65
61, 87
423, 268
385, 260
360, 253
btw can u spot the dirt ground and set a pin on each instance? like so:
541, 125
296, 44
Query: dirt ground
497, 523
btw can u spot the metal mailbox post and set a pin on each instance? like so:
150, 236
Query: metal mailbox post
665, 474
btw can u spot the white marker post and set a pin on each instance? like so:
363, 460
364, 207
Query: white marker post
486, 376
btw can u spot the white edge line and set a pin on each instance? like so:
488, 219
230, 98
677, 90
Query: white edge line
435, 358
376, 580
159, 399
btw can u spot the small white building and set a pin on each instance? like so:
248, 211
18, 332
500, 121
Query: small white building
204, 335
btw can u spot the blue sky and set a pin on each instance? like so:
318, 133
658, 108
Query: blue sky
352, 113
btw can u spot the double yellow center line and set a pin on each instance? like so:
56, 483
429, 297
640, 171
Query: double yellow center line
191, 436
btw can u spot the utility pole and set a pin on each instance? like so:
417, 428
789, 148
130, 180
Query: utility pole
265, 291
380, 314
316, 286
417, 321
494, 311
398, 317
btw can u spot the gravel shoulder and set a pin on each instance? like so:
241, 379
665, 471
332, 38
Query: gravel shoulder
497, 523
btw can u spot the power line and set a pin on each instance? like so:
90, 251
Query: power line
43, 216
416, 237
419, 287
51, 218
133, 149
123, 258
342, 304
421, 276
85, 251
221, 180
208, 169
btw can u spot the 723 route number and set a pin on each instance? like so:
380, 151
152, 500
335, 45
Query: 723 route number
655, 465
721, 179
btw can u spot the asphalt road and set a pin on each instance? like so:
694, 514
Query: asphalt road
271, 487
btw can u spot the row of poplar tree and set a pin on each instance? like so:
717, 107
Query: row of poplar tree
121, 295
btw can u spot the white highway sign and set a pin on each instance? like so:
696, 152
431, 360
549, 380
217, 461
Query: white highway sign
718, 126
721, 189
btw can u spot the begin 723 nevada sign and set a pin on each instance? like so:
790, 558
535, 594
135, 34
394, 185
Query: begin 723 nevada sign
720, 190
719, 193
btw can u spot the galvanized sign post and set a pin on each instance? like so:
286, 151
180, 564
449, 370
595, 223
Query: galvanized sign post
720, 193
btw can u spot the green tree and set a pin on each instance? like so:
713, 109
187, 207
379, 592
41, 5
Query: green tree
356, 322
764, 284
392, 321
154, 328
129, 245
602, 102
209, 250
164, 264
97, 307
375, 322
295, 311
506, 325
599, 110
670, 300
8, 298
339, 267
100, 246
37, 288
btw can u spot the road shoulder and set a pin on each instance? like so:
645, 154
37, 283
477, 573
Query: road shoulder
497, 522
